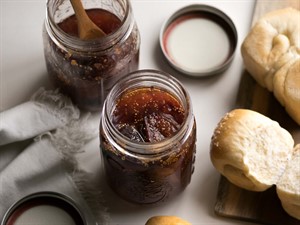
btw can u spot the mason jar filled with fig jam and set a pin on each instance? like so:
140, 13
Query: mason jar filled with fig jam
85, 70
148, 137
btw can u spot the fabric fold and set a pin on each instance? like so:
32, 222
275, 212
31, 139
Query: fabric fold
49, 162
46, 111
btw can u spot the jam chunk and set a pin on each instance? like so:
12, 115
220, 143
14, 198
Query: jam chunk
148, 114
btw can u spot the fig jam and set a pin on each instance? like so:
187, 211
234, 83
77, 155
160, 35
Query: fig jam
148, 136
86, 70
148, 114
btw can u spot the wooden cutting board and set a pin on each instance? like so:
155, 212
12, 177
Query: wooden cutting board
232, 201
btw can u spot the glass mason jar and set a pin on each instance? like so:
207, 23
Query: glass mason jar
148, 137
85, 70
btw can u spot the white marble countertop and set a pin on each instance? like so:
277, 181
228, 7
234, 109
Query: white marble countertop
23, 71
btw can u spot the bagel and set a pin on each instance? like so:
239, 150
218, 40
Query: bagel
271, 54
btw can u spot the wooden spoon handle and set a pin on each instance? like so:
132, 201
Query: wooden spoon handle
80, 12
86, 28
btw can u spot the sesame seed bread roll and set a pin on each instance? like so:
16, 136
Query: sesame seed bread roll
288, 186
166, 220
250, 149
271, 54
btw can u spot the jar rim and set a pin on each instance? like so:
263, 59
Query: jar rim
147, 148
73, 42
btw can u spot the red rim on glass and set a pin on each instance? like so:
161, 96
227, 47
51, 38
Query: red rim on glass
44, 208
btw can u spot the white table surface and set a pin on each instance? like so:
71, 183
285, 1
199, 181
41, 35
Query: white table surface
23, 71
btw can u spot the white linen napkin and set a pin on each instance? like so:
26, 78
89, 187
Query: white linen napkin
39, 141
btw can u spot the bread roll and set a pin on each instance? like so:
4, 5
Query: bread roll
271, 54
250, 149
166, 220
287, 88
288, 186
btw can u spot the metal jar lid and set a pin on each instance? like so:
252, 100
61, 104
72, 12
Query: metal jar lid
41, 202
199, 40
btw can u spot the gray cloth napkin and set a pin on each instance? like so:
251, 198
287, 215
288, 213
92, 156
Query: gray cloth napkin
39, 142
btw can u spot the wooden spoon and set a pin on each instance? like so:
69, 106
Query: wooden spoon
87, 29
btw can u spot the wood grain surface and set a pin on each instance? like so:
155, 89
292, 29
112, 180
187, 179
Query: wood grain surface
232, 201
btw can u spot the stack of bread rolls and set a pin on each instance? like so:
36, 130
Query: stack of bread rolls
249, 149
271, 54
254, 152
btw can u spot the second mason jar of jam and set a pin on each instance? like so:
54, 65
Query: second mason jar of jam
86, 70
148, 137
